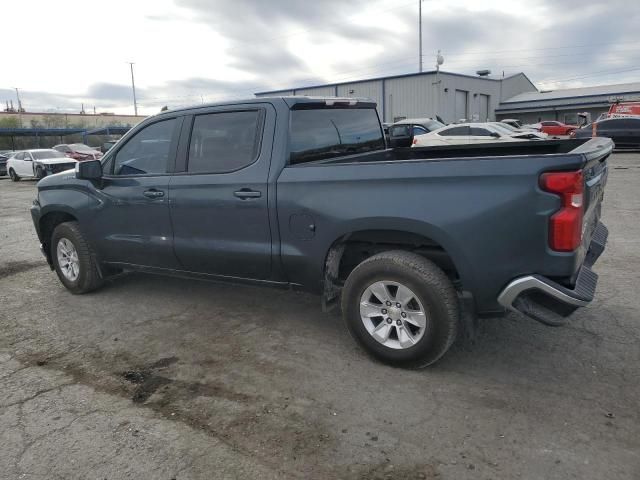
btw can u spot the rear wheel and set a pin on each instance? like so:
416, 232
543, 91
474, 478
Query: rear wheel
401, 308
13, 175
74, 262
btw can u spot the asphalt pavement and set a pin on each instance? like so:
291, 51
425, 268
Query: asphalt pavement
164, 378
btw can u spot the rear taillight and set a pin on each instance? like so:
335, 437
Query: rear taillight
565, 226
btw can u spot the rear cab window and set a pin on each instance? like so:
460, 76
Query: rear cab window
319, 133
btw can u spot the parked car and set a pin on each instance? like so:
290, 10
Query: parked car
37, 163
525, 133
625, 132
552, 127
4, 156
421, 126
513, 122
467, 133
79, 151
302, 192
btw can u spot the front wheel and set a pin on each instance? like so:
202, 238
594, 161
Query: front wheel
12, 174
401, 308
74, 262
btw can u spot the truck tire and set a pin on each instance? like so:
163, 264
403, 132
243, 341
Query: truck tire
401, 308
14, 177
74, 261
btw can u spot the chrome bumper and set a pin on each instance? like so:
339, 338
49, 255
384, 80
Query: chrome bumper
549, 302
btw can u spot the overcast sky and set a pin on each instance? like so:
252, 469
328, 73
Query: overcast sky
66, 52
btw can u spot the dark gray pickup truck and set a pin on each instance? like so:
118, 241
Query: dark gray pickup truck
303, 192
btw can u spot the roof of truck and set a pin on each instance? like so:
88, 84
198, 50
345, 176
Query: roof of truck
290, 100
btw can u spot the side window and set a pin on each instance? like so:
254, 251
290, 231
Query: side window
19, 156
225, 141
147, 151
480, 132
455, 132
418, 130
321, 133
549, 124
27, 156
618, 123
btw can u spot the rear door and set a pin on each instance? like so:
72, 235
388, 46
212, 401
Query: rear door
219, 206
634, 131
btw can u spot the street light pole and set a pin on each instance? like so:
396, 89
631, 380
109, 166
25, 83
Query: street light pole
133, 87
420, 34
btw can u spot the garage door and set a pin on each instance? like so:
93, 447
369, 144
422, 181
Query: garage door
461, 104
484, 108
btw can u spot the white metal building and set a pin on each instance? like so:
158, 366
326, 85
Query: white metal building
452, 96
564, 105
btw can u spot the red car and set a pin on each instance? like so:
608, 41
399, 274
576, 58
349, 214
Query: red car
78, 151
551, 127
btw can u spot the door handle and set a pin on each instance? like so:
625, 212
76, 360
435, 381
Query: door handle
153, 193
247, 193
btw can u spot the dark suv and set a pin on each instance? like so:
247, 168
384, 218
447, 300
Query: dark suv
625, 132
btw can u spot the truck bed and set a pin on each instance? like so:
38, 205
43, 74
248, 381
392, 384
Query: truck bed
496, 149
485, 209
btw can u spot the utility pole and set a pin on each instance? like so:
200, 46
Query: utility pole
19, 102
133, 87
420, 34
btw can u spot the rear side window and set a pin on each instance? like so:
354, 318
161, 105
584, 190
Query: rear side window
225, 141
321, 133
480, 132
455, 132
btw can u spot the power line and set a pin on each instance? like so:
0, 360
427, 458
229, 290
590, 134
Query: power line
593, 74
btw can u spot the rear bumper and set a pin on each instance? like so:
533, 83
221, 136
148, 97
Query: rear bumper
549, 302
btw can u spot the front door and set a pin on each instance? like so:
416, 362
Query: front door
130, 221
219, 203
24, 165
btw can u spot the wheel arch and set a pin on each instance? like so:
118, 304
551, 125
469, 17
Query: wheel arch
47, 224
352, 247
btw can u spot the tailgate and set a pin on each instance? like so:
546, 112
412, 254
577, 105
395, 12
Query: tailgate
596, 152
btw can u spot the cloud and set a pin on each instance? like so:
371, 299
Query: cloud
241, 47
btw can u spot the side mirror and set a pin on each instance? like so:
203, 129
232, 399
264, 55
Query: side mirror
400, 136
89, 170
495, 135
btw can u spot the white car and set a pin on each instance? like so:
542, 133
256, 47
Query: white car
37, 163
466, 133
526, 133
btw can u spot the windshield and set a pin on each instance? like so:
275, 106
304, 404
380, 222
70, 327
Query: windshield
511, 128
81, 147
433, 125
45, 154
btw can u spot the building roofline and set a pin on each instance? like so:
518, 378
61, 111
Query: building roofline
404, 75
525, 76
561, 106
571, 97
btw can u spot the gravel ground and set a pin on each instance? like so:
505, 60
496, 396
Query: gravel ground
162, 378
